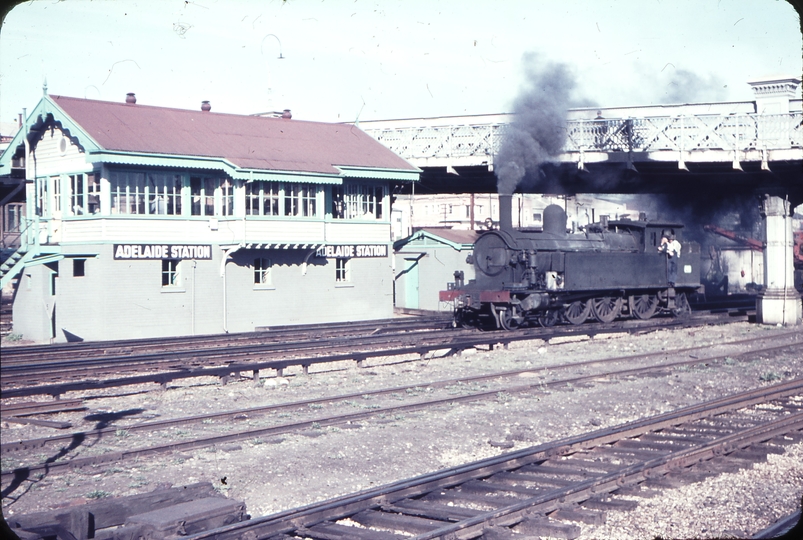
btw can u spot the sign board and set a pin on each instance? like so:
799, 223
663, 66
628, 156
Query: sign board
161, 251
358, 251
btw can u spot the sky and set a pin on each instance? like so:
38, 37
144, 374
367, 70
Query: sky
350, 60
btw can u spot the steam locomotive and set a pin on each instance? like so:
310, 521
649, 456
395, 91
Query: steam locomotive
610, 269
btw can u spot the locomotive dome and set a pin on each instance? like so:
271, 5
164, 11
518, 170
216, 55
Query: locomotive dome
554, 220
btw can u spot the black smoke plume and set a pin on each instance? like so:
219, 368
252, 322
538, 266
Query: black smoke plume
538, 131
685, 86
736, 211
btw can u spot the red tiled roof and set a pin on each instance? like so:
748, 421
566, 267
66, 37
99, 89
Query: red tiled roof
249, 142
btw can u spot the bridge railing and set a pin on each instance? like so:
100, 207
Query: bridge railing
683, 133
460, 141
734, 132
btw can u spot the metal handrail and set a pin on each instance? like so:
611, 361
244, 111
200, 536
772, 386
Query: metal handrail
732, 132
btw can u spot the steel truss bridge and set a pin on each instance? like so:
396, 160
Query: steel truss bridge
642, 153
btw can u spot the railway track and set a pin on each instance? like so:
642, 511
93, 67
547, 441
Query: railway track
20, 379
266, 335
537, 490
552, 489
510, 384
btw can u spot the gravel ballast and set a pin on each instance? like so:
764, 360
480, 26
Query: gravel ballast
276, 473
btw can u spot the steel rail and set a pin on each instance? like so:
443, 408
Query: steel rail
18, 358
16, 361
38, 443
308, 516
25, 445
612, 481
31, 444
215, 357
272, 334
783, 528
78, 438
453, 340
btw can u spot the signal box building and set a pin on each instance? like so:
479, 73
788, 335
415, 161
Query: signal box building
148, 221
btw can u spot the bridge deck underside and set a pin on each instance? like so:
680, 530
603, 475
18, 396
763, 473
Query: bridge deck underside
784, 179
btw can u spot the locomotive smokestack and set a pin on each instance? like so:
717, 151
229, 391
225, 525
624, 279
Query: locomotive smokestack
506, 212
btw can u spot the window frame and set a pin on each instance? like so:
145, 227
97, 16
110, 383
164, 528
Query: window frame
42, 195
137, 193
164, 194
171, 273
342, 271
359, 201
263, 273
262, 198
56, 193
226, 189
78, 267
77, 194
300, 200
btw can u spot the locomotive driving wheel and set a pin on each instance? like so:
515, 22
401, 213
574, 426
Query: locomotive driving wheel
682, 307
510, 318
606, 308
548, 318
577, 312
644, 305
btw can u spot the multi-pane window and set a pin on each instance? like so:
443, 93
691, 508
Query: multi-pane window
300, 200
202, 191
138, 193
262, 267
262, 199
84, 194
164, 194
56, 180
338, 202
358, 201
127, 192
93, 193
226, 197
170, 275
342, 268
77, 195
41, 196
12, 216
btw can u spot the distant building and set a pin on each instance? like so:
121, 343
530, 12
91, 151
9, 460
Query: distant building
414, 212
148, 221
7, 132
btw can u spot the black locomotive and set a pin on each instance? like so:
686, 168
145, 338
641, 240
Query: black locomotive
610, 269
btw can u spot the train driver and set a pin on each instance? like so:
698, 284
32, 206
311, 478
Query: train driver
671, 247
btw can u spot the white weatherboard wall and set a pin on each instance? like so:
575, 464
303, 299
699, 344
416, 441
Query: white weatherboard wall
295, 297
118, 299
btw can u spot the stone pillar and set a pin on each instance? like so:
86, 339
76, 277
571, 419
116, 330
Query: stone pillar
779, 303
773, 95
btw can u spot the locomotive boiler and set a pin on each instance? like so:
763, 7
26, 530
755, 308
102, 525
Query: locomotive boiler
609, 269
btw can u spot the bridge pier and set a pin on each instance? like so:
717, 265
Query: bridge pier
779, 303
